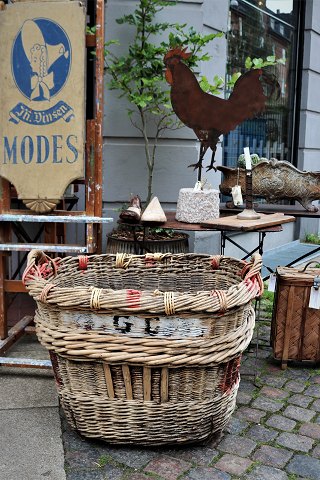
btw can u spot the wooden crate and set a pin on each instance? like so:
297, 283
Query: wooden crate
295, 330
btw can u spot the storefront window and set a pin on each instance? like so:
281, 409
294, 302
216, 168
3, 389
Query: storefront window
258, 29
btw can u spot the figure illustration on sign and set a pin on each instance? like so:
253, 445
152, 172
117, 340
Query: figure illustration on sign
42, 57
41, 63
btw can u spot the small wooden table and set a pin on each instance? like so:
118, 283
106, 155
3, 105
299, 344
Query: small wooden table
233, 223
297, 211
265, 224
268, 223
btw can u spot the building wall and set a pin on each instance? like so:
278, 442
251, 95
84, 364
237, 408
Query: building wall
124, 167
125, 172
309, 138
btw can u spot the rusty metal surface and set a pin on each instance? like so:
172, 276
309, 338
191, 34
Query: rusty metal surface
99, 89
90, 181
210, 116
276, 180
4, 195
3, 306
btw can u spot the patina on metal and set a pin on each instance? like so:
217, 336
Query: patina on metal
275, 180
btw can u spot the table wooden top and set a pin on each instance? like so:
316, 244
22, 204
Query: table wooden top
176, 225
269, 223
232, 222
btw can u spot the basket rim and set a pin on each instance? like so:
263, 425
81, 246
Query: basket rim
42, 270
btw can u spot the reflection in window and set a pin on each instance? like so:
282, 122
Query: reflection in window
267, 28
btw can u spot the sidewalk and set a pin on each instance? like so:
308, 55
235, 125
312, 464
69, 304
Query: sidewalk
30, 440
273, 435
285, 254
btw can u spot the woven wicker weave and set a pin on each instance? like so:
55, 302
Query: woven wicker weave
295, 332
145, 349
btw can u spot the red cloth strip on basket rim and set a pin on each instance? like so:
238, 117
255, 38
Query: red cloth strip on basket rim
83, 262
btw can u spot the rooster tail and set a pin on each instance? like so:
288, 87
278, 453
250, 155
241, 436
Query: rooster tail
258, 82
251, 92
270, 85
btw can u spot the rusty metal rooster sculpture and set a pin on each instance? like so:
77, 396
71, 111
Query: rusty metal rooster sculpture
210, 116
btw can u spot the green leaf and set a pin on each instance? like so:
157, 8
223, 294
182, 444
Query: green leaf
138, 74
257, 62
91, 30
248, 63
204, 84
235, 77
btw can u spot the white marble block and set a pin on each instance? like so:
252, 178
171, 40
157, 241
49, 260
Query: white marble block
197, 206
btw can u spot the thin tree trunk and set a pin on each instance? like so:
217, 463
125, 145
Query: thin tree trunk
149, 157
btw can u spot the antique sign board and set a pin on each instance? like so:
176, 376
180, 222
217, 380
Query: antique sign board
42, 99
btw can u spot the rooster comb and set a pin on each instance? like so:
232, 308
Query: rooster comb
178, 52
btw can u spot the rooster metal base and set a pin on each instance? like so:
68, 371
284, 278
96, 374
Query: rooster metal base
275, 180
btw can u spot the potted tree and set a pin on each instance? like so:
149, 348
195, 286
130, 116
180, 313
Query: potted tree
138, 76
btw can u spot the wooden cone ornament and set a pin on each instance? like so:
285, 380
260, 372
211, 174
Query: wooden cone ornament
154, 212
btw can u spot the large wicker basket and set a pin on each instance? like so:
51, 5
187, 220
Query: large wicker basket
145, 349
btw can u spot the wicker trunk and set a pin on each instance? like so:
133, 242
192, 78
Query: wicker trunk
295, 327
145, 349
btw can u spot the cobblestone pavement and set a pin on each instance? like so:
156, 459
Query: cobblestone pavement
273, 434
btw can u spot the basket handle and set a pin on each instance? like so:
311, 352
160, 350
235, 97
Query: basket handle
253, 273
35, 255
255, 266
310, 263
37, 265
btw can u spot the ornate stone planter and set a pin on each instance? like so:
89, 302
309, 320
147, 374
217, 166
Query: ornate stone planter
275, 180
